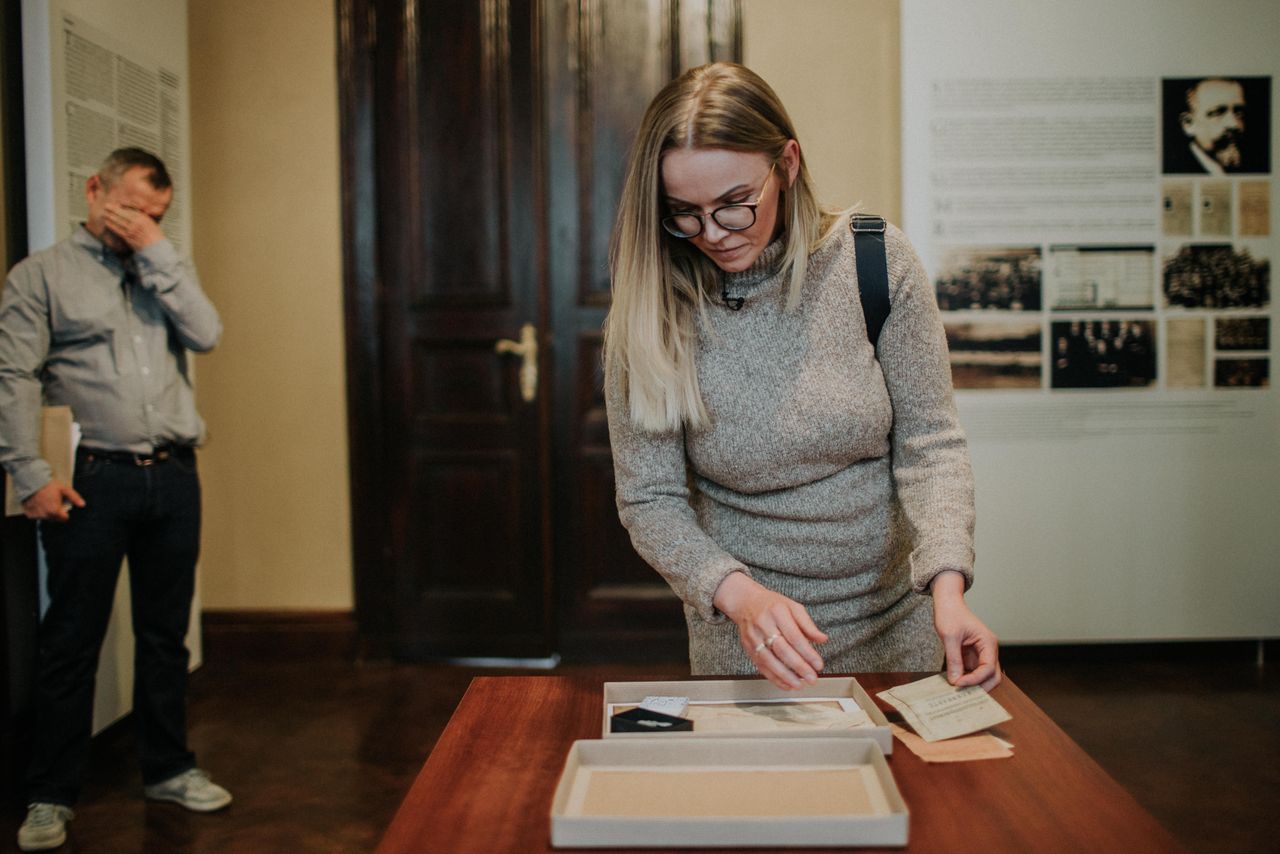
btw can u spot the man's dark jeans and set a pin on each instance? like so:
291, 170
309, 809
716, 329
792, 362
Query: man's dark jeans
151, 515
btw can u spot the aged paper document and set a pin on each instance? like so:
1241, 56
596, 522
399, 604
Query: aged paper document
749, 717
936, 709
1255, 208
1177, 208
963, 749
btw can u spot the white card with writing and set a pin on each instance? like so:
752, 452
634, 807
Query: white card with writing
674, 706
936, 709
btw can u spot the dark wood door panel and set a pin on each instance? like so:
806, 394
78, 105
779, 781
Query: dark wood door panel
470, 144
471, 527
484, 145
616, 597
459, 381
610, 567
461, 238
607, 61
467, 558
624, 58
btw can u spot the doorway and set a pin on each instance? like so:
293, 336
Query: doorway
484, 145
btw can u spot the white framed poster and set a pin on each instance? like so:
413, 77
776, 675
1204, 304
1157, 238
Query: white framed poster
1091, 186
102, 76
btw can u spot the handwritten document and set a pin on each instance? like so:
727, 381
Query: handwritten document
937, 709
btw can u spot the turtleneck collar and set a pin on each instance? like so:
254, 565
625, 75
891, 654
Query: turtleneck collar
746, 283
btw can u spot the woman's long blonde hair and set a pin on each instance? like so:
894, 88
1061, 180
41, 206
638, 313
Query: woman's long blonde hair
660, 281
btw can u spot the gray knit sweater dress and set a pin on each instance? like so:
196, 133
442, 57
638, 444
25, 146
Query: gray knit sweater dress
831, 477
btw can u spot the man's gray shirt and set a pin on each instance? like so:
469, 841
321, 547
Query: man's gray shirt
112, 346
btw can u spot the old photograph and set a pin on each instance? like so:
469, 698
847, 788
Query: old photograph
995, 355
1083, 278
1242, 333
1004, 278
1103, 353
1216, 276
1242, 373
1217, 125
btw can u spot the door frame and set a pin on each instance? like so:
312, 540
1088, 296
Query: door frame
368, 461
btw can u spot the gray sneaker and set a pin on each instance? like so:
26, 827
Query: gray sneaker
45, 827
192, 789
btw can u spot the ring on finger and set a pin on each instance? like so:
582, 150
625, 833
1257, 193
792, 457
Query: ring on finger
759, 647
773, 637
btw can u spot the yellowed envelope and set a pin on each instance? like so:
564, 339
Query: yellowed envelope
962, 749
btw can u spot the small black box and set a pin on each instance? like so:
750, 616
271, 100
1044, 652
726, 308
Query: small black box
643, 720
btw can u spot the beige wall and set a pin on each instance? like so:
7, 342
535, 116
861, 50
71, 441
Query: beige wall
265, 174
834, 63
267, 235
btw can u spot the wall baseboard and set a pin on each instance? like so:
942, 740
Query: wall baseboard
292, 635
267, 635
1229, 650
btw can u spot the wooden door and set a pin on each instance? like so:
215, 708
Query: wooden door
605, 62
483, 148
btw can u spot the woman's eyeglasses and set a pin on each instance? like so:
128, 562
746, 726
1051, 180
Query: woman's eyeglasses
736, 217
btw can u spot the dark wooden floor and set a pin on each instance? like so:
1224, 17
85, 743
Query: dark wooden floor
319, 753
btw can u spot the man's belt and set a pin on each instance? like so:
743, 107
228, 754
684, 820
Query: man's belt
157, 455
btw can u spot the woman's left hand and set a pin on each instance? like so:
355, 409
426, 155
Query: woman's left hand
971, 648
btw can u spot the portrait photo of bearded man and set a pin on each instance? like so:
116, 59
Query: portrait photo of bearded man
1217, 125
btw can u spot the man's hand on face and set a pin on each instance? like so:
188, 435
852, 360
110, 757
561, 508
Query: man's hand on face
52, 502
132, 226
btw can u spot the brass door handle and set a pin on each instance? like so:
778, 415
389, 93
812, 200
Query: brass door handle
527, 349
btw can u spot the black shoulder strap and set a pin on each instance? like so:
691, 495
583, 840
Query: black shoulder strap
873, 271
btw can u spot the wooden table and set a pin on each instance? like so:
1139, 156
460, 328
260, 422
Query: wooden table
487, 785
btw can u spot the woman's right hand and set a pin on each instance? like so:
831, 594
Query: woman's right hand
776, 632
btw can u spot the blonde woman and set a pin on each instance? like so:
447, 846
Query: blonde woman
809, 499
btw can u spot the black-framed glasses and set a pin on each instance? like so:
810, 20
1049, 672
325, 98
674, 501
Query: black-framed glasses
735, 217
